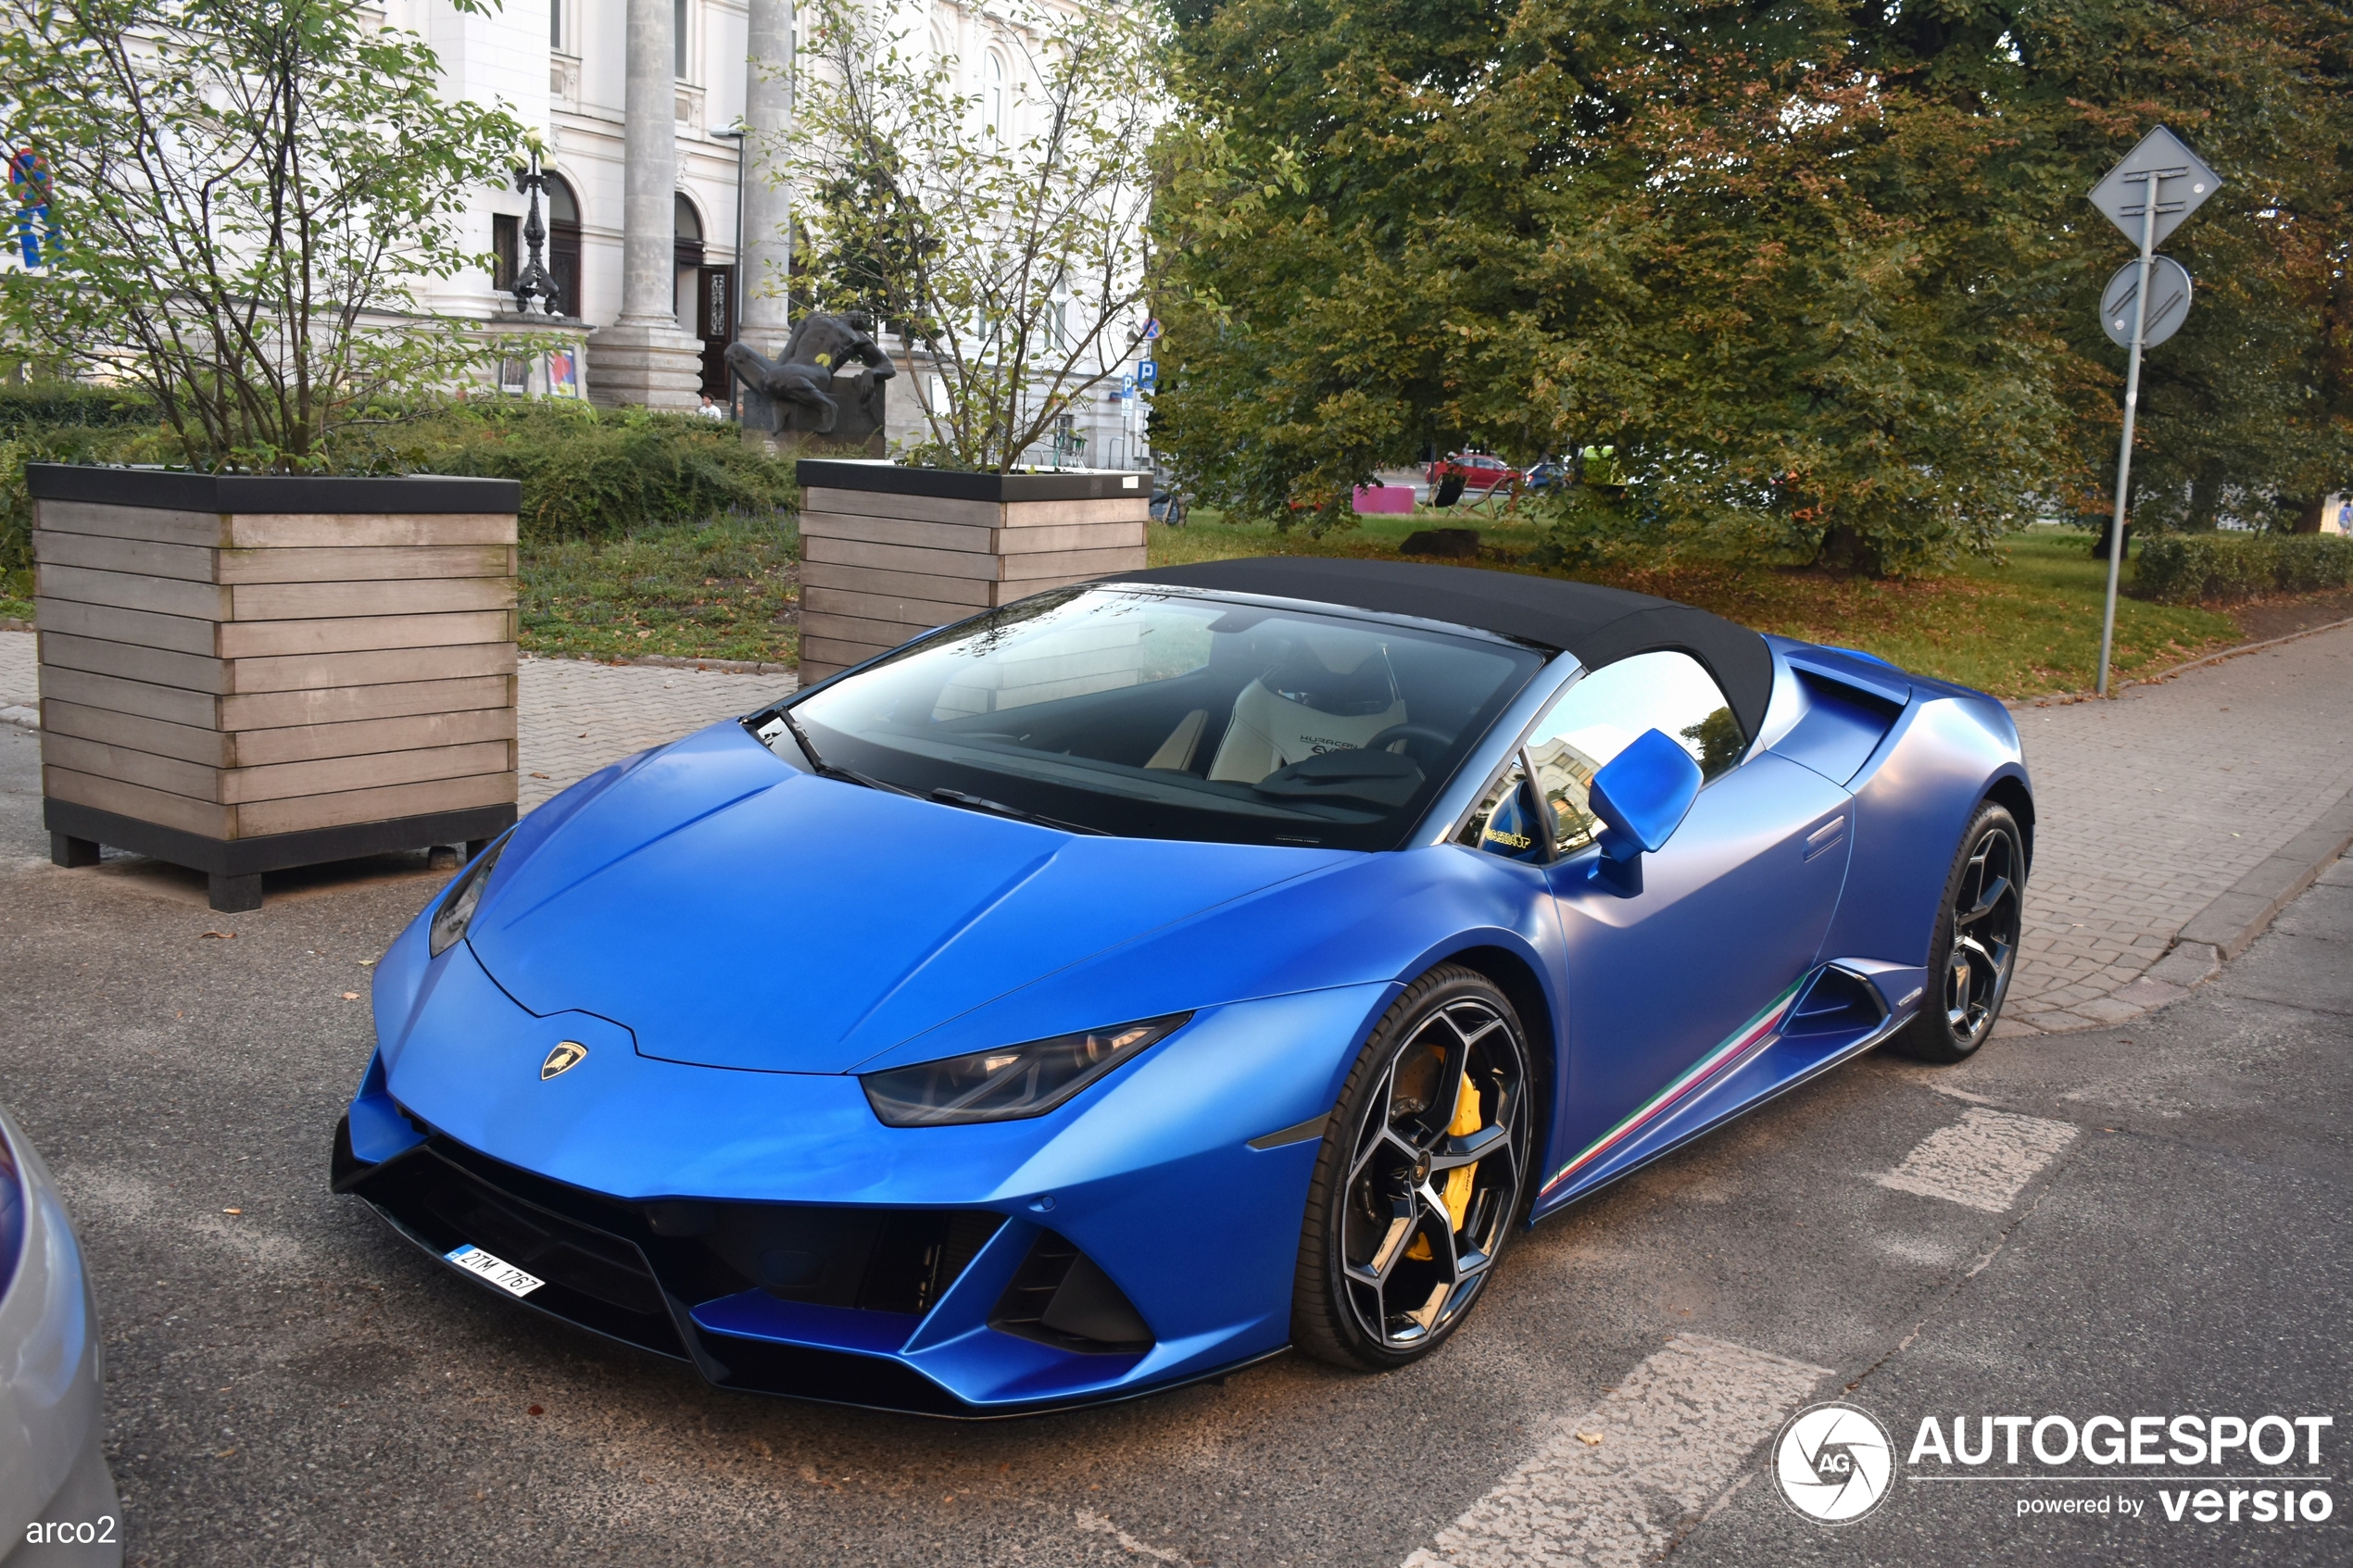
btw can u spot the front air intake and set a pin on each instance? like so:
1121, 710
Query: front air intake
1061, 1296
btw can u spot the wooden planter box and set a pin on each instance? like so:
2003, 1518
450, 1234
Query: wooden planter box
889, 553
241, 674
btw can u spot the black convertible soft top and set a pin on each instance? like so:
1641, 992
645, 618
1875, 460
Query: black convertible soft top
1599, 625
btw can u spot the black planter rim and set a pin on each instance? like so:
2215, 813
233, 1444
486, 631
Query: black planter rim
185, 490
885, 477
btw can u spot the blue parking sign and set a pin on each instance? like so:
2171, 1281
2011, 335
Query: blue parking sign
1148, 374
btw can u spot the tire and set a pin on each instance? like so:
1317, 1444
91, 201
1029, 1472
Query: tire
1974, 952
1385, 1273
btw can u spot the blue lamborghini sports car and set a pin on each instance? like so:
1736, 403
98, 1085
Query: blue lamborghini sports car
1129, 983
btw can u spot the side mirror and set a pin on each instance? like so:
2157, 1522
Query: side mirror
1641, 797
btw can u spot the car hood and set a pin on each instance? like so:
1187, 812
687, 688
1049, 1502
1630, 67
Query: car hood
732, 912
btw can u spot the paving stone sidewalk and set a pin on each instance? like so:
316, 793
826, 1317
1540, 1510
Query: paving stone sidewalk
574, 716
2155, 805
2152, 807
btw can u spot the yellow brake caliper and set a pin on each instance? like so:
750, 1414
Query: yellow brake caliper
1457, 1195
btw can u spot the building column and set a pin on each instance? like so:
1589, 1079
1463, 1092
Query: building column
644, 358
767, 215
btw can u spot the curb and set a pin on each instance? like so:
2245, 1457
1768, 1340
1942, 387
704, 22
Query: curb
672, 661
29, 718
2231, 923
2221, 931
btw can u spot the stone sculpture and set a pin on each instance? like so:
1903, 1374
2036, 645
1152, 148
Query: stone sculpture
827, 382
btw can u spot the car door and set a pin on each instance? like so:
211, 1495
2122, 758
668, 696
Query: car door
1723, 919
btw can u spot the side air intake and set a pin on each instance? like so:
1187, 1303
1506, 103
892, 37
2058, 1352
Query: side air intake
1839, 1002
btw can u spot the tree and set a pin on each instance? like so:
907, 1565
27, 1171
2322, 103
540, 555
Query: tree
1004, 236
246, 196
2248, 411
1821, 275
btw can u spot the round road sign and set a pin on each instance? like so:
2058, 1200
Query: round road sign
2168, 302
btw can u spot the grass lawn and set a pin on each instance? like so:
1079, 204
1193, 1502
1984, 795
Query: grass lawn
725, 590
2024, 626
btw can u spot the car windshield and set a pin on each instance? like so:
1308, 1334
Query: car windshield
1164, 714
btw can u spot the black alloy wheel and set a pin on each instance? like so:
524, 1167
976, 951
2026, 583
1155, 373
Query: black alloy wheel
1420, 1177
1975, 950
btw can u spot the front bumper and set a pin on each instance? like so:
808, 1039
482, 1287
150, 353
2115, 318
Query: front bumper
767, 1228
53, 1462
885, 1307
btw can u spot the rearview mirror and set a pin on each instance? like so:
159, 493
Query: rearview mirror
1641, 797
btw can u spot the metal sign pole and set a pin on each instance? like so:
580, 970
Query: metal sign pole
2132, 405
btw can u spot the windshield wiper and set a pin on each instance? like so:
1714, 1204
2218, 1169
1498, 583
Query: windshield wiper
835, 769
947, 796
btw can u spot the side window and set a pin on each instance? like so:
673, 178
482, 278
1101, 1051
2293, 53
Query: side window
1606, 711
1506, 821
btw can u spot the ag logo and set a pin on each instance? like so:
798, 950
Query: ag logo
567, 1054
1834, 1462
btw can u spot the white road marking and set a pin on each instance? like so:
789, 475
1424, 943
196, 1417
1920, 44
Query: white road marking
1097, 1524
1672, 1433
1984, 1160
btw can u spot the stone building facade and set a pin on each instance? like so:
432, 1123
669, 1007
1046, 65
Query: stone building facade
636, 101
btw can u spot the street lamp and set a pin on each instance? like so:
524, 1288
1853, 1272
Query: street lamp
739, 135
534, 289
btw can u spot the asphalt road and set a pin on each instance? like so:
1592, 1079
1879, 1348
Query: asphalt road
2159, 1224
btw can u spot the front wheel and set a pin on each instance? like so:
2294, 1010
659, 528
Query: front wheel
1975, 949
1419, 1179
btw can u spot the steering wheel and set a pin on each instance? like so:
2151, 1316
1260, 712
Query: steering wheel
1439, 739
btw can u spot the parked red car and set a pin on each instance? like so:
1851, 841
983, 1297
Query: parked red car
1478, 471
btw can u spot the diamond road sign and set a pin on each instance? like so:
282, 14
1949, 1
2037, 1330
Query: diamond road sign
2162, 162
2168, 302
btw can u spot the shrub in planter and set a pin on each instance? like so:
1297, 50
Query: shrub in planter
2218, 568
262, 664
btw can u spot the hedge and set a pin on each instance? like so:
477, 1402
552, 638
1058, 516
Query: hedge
586, 473
2209, 568
71, 404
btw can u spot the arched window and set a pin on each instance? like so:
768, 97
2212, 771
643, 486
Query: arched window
563, 246
993, 105
687, 231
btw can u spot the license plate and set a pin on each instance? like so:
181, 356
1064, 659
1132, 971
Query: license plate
497, 1271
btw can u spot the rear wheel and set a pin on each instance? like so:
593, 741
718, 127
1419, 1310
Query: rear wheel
1975, 949
1419, 1179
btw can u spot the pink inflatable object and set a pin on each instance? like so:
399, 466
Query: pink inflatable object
1384, 498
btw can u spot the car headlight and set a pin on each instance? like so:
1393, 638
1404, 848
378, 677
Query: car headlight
464, 896
1011, 1082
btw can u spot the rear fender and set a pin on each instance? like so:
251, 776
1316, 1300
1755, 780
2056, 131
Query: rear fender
1911, 806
